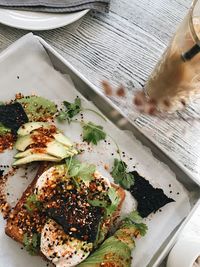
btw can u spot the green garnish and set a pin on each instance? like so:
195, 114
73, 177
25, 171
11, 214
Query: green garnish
3, 129
98, 203
32, 243
115, 199
37, 107
80, 170
72, 109
32, 203
116, 250
120, 174
109, 207
93, 133
135, 219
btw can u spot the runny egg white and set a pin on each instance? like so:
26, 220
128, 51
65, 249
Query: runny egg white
61, 249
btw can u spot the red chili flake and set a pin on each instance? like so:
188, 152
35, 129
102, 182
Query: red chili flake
6, 141
19, 96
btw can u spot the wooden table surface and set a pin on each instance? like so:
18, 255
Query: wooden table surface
123, 47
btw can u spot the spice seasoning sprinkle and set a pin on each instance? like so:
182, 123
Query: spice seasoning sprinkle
7, 141
5, 208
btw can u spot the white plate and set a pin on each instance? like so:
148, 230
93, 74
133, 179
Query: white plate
38, 21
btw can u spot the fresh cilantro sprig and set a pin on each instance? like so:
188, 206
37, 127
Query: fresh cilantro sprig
77, 169
115, 199
135, 219
74, 108
93, 133
32, 203
71, 110
120, 174
32, 243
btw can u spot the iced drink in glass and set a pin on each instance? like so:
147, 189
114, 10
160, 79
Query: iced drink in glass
176, 78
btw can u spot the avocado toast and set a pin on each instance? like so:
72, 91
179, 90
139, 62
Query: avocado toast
62, 220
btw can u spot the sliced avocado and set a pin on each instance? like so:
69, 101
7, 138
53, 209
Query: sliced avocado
35, 157
23, 141
73, 150
56, 149
27, 128
62, 139
37, 107
25, 153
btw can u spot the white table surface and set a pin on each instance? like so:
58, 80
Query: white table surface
123, 47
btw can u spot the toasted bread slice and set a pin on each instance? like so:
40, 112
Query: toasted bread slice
16, 232
12, 229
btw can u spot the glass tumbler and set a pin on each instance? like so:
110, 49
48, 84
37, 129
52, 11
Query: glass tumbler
176, 78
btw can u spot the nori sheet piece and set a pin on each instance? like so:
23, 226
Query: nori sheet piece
13, 116
149, 199
70, 215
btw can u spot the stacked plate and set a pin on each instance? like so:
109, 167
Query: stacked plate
38, 21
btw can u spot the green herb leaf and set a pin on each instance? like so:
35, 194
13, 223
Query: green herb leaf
32, 203
98, 203
142, 228
72, 109
3, 129
110, 205
135, 219
115, 199
93, 133
32, 243
120, 174
83, 171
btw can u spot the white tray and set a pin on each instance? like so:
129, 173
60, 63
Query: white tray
25, 57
